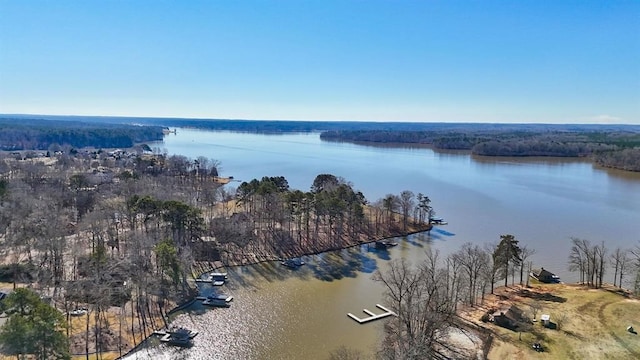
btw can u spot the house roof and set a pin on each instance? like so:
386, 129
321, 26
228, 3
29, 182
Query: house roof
542, 273
513, 313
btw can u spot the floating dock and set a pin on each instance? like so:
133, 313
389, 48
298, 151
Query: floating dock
372, 316
215, 278
210, 281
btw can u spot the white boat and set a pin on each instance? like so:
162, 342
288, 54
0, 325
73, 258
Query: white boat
225, 297
218, 276
216, 302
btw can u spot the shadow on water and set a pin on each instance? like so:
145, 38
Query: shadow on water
251, 276
342, 264
382, 254
441, 232
329, 266
416, 241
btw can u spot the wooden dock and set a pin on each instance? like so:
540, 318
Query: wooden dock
372, 316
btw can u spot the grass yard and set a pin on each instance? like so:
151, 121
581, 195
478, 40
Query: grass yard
591, 324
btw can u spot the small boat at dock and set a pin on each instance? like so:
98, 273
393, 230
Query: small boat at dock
383, 244
215, 278
180, 336
219, 276
438, 221
225, 297
292, 263
215, 302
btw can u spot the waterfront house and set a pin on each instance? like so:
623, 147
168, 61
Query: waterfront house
544, 276
509, 318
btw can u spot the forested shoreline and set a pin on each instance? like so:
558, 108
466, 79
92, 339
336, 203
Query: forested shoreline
618, 149
614, 146
37, 134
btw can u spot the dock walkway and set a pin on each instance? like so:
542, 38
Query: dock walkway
372, 316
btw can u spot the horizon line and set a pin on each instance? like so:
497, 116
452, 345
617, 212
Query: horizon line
309, 120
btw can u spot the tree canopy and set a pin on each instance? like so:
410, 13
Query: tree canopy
33, 328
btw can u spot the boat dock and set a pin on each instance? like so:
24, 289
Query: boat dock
372, 316
214, 278
164, 332
210, 281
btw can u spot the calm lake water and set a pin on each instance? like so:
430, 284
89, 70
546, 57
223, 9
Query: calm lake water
283, 314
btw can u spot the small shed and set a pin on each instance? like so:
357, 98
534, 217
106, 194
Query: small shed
545, 318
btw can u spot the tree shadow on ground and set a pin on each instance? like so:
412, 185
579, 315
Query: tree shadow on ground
575, 335
541, 296
619, 291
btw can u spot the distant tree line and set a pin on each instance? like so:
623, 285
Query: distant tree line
626, 159
288, 126
611, 148
34, 134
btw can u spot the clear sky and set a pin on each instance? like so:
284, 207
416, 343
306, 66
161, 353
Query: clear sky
471, 61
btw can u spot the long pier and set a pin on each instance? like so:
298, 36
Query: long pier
372, 316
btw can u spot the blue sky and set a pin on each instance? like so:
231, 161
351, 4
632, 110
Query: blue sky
471, 61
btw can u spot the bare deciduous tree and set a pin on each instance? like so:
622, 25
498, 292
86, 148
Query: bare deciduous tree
472, 259
425, 310
619, 259
535, 306
407, 202
525, 253
588, 260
